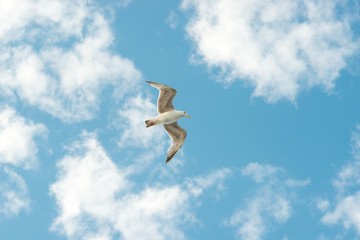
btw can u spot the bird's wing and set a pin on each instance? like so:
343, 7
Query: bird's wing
177, 135
166, 96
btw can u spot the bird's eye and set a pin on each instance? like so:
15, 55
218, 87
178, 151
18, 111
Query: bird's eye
185, 113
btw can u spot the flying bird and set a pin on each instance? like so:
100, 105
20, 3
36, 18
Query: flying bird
168, 117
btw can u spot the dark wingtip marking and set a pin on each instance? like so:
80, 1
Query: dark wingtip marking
168, 159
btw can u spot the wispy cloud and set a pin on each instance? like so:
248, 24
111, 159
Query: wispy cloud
98, 199
125, 3
132, 118
260, 172
279, 47
197, 185
57, 56
272, 201
172, 19
14, 195
345, 208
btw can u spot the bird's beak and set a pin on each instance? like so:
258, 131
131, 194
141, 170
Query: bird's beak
188, 116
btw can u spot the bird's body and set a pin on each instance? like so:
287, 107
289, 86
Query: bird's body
165, 118
168, 117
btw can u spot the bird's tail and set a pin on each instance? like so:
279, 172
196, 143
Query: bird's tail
150, 122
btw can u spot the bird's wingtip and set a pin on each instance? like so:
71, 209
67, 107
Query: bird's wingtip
168, 159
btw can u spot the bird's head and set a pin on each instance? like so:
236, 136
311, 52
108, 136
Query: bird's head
186, 115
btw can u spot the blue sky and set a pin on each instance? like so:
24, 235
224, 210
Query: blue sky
273, 145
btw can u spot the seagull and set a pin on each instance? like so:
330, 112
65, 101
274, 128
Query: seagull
168, 117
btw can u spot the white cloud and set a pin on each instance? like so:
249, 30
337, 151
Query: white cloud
347, 212
349, 175
154, 213
13, 194
272, 201
97, 199
252, 219
345, 209
279, 47
88, 183
64, 18
65, 73
18, 148
17, 139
